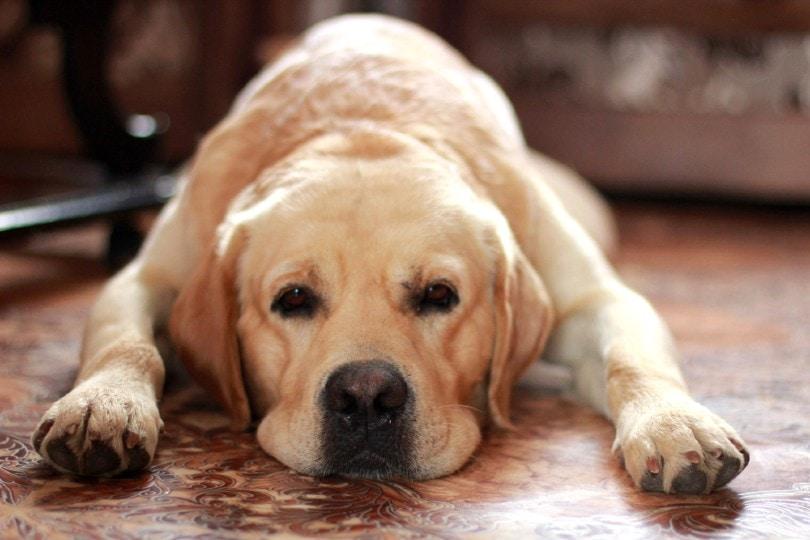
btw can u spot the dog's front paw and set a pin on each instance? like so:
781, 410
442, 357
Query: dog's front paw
99, 430
678, 447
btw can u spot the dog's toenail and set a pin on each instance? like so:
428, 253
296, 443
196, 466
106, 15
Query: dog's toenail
743, 451
746, 457
71, 429
717, 453
653, 465
41, 432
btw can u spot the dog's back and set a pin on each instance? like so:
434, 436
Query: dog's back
357, 71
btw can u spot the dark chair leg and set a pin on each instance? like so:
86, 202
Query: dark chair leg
125, 145
123, 243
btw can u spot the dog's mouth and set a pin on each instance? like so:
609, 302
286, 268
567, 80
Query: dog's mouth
371, 465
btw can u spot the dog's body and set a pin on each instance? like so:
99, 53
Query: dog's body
365, 256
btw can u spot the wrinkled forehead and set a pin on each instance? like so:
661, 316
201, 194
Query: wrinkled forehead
382, 219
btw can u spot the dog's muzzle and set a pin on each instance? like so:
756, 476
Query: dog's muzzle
366, 419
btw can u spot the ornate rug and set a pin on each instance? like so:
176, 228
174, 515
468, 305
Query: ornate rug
733, 284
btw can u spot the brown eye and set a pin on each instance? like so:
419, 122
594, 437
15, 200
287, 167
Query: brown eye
437, 297
295, 301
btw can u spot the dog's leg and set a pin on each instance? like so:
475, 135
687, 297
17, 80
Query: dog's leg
109, 422
623, 357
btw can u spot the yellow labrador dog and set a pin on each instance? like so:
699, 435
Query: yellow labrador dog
364, 256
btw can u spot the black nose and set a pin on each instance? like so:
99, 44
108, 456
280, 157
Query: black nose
366, 424
366, 394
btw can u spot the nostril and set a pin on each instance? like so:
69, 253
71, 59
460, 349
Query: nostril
348, 404
340, 400
392, 398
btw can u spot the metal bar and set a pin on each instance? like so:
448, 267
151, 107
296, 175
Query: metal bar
116, 197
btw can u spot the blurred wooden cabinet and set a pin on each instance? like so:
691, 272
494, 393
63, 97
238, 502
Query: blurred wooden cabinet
730, 114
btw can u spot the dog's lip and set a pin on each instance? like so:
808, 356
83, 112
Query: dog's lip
368, 464
369, 458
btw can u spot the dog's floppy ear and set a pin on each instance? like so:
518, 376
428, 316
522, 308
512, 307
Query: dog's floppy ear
203, 328
523, 320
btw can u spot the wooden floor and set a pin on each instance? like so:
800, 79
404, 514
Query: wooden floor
734, 284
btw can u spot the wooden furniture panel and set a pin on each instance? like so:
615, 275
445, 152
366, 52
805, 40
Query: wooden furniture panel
757, 154
717, 17
760, 157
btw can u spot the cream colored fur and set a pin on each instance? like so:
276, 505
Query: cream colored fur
368, 156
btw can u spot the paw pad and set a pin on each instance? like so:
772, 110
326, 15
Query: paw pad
99, 459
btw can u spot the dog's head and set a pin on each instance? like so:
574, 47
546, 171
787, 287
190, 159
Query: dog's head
368, 306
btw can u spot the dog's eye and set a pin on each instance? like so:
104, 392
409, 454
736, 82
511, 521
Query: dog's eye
295, 301
437, 297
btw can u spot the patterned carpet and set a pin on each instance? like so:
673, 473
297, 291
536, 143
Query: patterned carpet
734, 284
